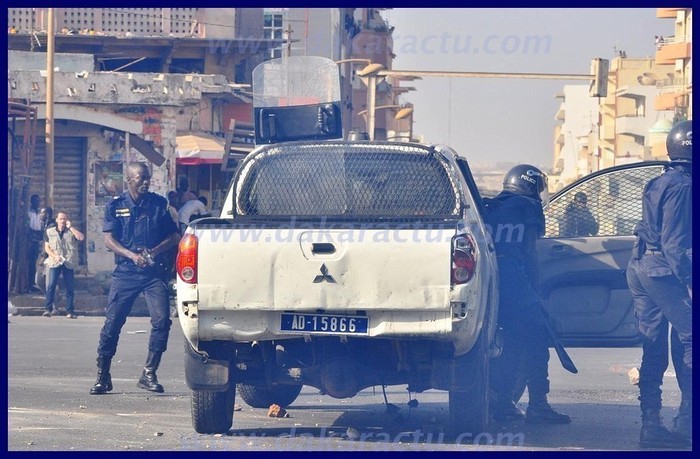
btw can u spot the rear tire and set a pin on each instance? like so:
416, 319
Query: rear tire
212, 412
261, 397
469, 403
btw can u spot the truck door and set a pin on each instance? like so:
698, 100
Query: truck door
583, 272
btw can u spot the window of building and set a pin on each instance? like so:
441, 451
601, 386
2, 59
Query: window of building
273, 28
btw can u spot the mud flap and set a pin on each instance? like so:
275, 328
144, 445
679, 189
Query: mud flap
204, 373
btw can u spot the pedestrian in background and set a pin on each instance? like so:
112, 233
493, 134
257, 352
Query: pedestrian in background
194, 208
61, 245
578, 221
183, 190
660, 277
140, 231
47, 221
35, 239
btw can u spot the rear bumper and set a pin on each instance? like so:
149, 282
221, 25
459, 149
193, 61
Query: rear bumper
246, 326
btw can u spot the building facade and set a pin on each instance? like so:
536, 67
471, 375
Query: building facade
127, 83
578, 114
675, 87
621, 128
130, 81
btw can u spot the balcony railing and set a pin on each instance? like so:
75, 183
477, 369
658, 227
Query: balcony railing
672, 85
632, 125
667, 40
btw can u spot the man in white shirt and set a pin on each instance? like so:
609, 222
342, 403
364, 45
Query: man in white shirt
194, 207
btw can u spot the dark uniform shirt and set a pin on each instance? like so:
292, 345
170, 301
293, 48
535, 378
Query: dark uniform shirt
667, 222
508, 219
138, 226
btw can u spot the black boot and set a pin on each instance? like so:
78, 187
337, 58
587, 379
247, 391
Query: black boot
104, 379
504, 410
683, 422
148, 380
539, 411
655, 435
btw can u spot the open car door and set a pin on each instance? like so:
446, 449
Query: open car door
583, 277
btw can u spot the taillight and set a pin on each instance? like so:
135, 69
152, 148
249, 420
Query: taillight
463, 259
187, 259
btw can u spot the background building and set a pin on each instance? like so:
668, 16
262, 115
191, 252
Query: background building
644, 98
579, 115
627, 113
675, 87
165, 85
128, 83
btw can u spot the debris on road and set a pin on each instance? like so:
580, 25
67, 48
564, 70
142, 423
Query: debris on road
633, 374
352, 434
277, 411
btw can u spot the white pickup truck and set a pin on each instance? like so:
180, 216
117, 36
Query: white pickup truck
340, 265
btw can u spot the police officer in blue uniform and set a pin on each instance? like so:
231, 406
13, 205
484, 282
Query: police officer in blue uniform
660, 278
139, 230
516, 221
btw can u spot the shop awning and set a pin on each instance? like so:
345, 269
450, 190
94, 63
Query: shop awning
198, 148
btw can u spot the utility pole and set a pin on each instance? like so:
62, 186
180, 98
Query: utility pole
50, 45
288, 32
598, 78
369, 77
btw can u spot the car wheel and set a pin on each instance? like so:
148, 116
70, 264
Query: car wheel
469, 402
212, 412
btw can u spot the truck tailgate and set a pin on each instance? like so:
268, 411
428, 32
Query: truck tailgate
307, 269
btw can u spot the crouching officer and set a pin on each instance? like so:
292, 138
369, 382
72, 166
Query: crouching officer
139, 230
660, 278
516, 219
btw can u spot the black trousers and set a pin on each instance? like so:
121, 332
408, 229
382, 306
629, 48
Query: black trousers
35, 246
125, 287
525, 338
658, 302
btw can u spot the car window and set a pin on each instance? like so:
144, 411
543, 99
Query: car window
612, 204
336, 180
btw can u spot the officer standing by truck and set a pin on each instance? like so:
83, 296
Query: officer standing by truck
139, 230
660, 278
516, 219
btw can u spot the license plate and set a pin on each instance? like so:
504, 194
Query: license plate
324, 323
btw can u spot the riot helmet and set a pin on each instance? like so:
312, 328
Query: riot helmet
528, 181
679, 143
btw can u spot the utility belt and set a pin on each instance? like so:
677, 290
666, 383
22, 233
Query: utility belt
642, 248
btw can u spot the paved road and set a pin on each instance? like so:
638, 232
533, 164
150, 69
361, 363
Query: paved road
52, 366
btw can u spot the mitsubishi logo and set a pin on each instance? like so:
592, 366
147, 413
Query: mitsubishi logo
324, 276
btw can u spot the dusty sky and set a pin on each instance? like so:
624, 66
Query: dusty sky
511, 120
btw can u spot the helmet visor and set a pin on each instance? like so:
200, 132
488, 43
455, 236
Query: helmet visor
544, 189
